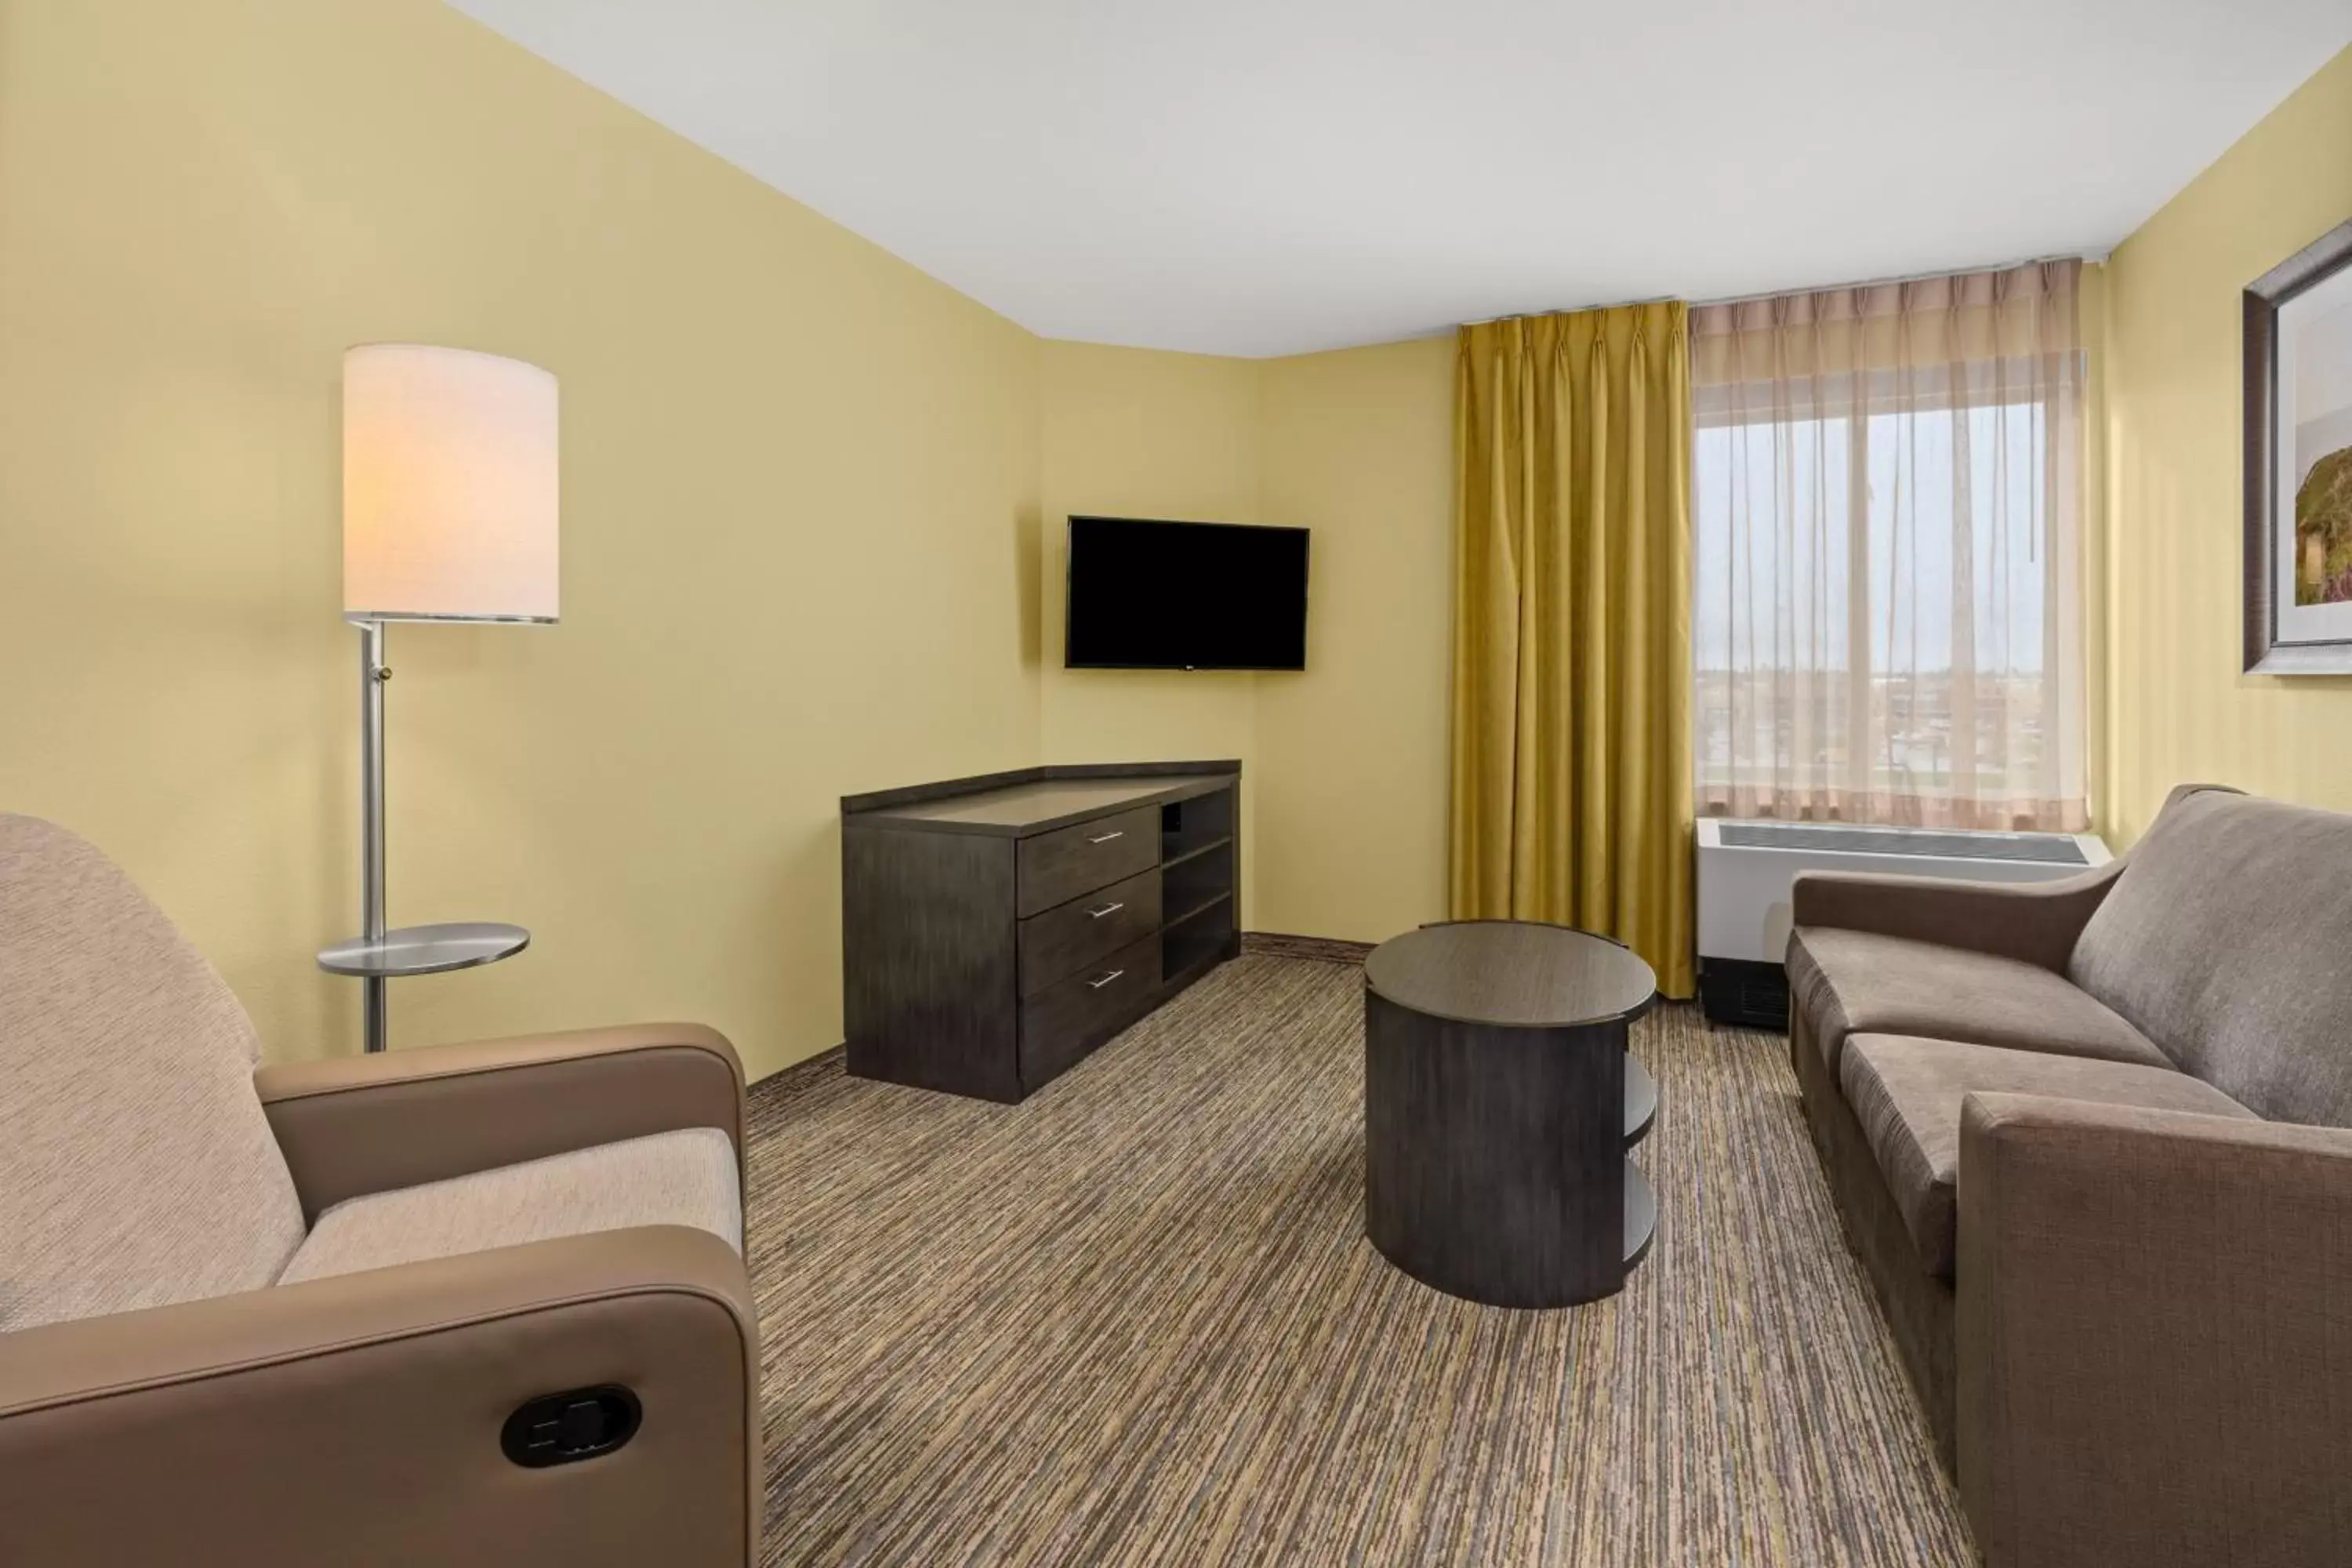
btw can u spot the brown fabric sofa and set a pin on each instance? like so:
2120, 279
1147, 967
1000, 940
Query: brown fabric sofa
284, 1316
2089, 1141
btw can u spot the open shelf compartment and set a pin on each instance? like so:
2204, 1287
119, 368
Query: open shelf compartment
1197, 882
1202, 876
1198, 936
1189, 826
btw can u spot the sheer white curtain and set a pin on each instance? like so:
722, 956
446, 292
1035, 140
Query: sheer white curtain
1887, 513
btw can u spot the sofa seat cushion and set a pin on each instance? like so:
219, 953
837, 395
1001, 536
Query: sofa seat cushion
668, 1178
1854, 982
1906, 1093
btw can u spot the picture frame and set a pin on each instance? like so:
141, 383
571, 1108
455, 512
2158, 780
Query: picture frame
2298, 462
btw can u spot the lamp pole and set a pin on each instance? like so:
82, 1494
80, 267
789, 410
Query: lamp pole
374, 673
380, 954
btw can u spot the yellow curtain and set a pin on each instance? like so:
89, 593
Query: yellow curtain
1571, 627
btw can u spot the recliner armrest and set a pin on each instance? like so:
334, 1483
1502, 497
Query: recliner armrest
352, 1125
356, 1419
2155, 1335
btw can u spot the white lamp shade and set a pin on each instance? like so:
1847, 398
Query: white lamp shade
449, 493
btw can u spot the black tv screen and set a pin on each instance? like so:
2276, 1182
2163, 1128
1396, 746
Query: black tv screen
1185, 595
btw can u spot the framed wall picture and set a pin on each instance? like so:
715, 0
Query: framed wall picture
2299, 462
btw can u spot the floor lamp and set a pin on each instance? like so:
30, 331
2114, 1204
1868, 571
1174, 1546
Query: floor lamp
449, 514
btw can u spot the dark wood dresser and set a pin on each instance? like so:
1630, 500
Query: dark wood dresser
996, 929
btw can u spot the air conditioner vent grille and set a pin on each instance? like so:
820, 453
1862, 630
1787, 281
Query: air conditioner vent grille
1843, 839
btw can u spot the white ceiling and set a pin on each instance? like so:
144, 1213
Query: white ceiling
1272, 177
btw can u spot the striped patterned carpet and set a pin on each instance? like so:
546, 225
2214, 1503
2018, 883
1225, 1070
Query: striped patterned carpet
1134, 1320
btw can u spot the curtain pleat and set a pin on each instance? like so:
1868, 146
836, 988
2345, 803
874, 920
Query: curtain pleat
1571, 664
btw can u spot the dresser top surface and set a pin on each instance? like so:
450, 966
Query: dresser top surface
1020, 809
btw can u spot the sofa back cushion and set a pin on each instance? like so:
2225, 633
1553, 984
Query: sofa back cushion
136, 1166
2223, 941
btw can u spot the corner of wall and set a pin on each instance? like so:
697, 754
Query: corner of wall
1146, 433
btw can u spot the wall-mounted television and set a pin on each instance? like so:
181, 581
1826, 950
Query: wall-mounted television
1185, 595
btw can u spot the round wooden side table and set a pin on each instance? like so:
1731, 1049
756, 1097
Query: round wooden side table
1499, 1105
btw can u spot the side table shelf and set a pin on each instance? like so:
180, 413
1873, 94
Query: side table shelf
425, 950
1641, 1101
1641, 1215
1641, 1202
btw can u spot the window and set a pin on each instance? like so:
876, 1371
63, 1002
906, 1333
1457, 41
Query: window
1886, 500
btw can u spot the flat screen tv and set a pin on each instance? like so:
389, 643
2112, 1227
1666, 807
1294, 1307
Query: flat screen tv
1185, 595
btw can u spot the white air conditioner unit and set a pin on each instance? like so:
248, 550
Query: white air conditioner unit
1746, 869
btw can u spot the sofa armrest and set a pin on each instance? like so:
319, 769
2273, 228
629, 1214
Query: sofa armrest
2035, 921
2155, 1335
351, 1125
356, 1419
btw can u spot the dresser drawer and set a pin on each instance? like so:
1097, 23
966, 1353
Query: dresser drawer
1066, 938
1060, 866
1067, 1020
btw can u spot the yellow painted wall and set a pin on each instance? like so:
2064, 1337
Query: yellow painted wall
1344, 764
1139, 433
1359, 445
811, 518
813, 526
799, 516
2177, 707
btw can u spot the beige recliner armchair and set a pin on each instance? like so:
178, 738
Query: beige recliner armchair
480, 1303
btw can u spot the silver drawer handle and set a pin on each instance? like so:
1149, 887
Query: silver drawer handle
1115, 833
1099, 984
1106, 909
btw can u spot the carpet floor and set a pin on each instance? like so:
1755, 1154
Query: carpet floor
1135, 1320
